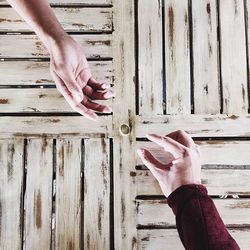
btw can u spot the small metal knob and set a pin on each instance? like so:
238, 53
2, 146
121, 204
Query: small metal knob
124, 129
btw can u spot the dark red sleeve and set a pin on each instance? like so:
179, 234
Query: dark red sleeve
198, 222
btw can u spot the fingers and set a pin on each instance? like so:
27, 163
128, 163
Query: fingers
150, 161
170, 145
78, 107
96, 106
97, 85
97, 95
182, 137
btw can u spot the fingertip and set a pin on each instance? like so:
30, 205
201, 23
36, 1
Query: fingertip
105, 85
152, 136
141, 152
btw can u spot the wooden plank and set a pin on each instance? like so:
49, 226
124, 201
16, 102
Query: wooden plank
11, 193
233, 57
35, 100
38, 196
168, 239
96, 194
72, 2
158, 213
227, 153
55, 126
196, 125
217, 181
205, 58
37, 73
68, 194
150, 57
72, 19
177, 47
23, 46
124, 126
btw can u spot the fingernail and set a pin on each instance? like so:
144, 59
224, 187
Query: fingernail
108, 110
140, 151
106, 85
108, 95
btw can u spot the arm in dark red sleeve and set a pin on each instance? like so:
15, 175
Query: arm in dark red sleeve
198, 222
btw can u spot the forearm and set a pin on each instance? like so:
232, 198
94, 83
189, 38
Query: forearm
198, 221
41, 18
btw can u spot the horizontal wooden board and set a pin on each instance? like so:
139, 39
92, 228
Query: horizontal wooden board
217, 181
37, 73
23, 46
168, 239
35, 100
196, 125
72, 19
72, 2
213, 152
54, 126
158, 213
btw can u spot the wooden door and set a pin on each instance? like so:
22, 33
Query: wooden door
69, 183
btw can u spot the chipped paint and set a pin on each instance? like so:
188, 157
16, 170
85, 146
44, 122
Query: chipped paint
38, 209
4, 101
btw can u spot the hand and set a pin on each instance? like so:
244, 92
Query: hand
70, 70
184, 167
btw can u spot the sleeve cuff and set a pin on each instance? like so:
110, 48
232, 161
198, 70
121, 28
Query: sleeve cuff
182, 194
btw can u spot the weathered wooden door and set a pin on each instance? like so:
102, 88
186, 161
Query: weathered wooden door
69, 183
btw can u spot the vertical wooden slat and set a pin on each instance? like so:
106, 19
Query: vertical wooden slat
38, 197
177, 47
150, 57
205, 57
68, 194
11, 200
124, 134
233, 56
96, 194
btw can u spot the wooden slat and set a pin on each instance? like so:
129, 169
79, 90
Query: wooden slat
68, 194
196, 125
168, 239
72, 19
205, 57
124, 118
23, 46
150, 57
37, 73
158, 213
35, 100
38, 196
55, 126
96, 194
72, 2
11, 192
233, 57
217, 181
231, 153
177, 57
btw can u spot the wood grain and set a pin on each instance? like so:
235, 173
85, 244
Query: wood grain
168, 239
38, 195
217, 181
11, 193
158, 213
206, 83
150, 57
72, 2
196, 125
55, 126
72, 19
37, 73
233, 57
68, 194
36, 100
96, 194
177, 47
30, 46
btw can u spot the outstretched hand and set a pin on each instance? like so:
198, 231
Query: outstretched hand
184, 167
72, 75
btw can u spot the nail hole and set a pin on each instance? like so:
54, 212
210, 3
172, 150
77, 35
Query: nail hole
124, 129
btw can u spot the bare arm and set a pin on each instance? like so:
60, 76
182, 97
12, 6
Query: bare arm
69, 66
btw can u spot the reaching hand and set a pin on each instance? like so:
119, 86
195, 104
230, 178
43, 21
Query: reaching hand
182, 168
70, 70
